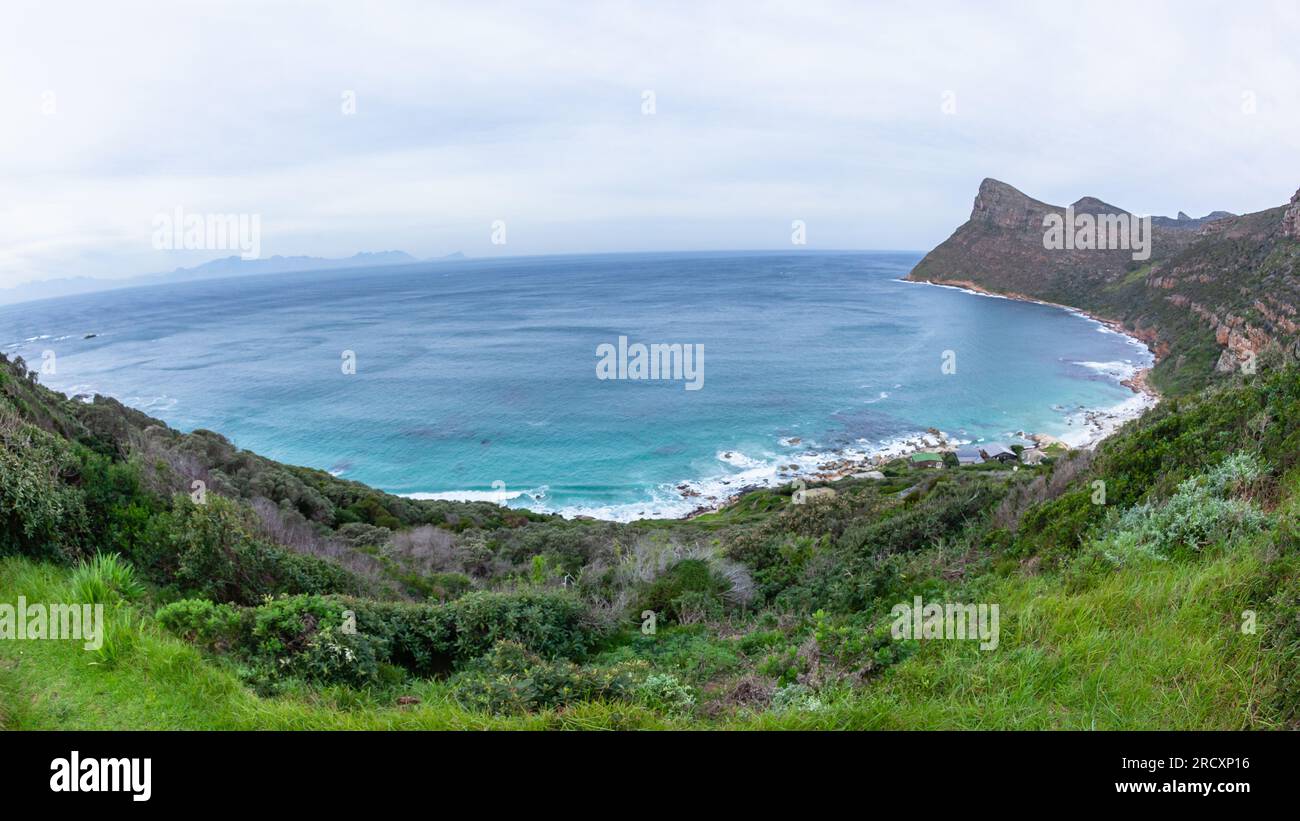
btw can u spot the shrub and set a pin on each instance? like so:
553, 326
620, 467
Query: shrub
510, 679
664, 693
689, 590
333, 656
284, 626
785, 664
445, 587
759, 641
305, 636
299, 636
428, 639
1178, 439
210, 551
795, 698
105, 579
40, 514
855, 645
1200, 513
218, 626
549, 624
419, 638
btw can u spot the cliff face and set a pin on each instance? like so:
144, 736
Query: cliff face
1212, 291
1291, 220
1002, 247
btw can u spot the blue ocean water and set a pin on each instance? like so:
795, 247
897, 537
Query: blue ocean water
477, 378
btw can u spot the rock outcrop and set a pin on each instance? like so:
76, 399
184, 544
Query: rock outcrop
1214, 292
1291, 219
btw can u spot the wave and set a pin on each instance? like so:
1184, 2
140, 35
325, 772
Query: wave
533, 495
671, 500
955, 288
1089, 426
1118, 370
153, 404
497, 496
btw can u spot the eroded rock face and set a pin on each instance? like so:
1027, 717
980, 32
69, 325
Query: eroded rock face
999, 204
1291, 219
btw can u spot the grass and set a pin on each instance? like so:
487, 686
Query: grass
1157, 647
162, 683
1154, 646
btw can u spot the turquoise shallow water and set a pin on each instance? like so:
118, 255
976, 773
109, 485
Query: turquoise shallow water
478, 378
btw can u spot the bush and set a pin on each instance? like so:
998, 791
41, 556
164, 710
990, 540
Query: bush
1179, 438
41, 515
664, 693
306, 636
106, 579
337, 657
510, 679
419, 638
217, 626
1199, 514
445, 587
284, 626
302, 637
550, 624
210, 551
795, 698
856, 645
688, 591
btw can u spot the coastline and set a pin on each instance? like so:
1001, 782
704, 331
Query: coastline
693, 491
1138, 383
1095, 425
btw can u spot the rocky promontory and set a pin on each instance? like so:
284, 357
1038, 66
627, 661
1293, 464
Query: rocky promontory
1212, 295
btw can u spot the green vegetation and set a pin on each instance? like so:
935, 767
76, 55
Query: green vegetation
1152, 583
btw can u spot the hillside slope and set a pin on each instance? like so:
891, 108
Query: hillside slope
768, 614
1213, 292
1153, 582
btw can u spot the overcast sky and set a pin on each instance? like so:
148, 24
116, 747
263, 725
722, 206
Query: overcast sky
874, 123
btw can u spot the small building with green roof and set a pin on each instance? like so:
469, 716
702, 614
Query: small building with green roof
926, 459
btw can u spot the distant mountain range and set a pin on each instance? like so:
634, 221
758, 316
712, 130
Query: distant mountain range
1213, 292
232, 266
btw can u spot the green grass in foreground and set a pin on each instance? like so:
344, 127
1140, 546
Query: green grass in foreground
1152, 646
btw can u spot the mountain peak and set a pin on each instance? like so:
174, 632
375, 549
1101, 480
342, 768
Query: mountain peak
992, 186
1001, 204
1092, 205
1200, 282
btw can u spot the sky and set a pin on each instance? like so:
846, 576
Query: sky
611, 126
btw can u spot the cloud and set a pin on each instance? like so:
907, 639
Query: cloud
764, 112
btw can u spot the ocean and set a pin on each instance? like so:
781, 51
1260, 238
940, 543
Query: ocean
478, 379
